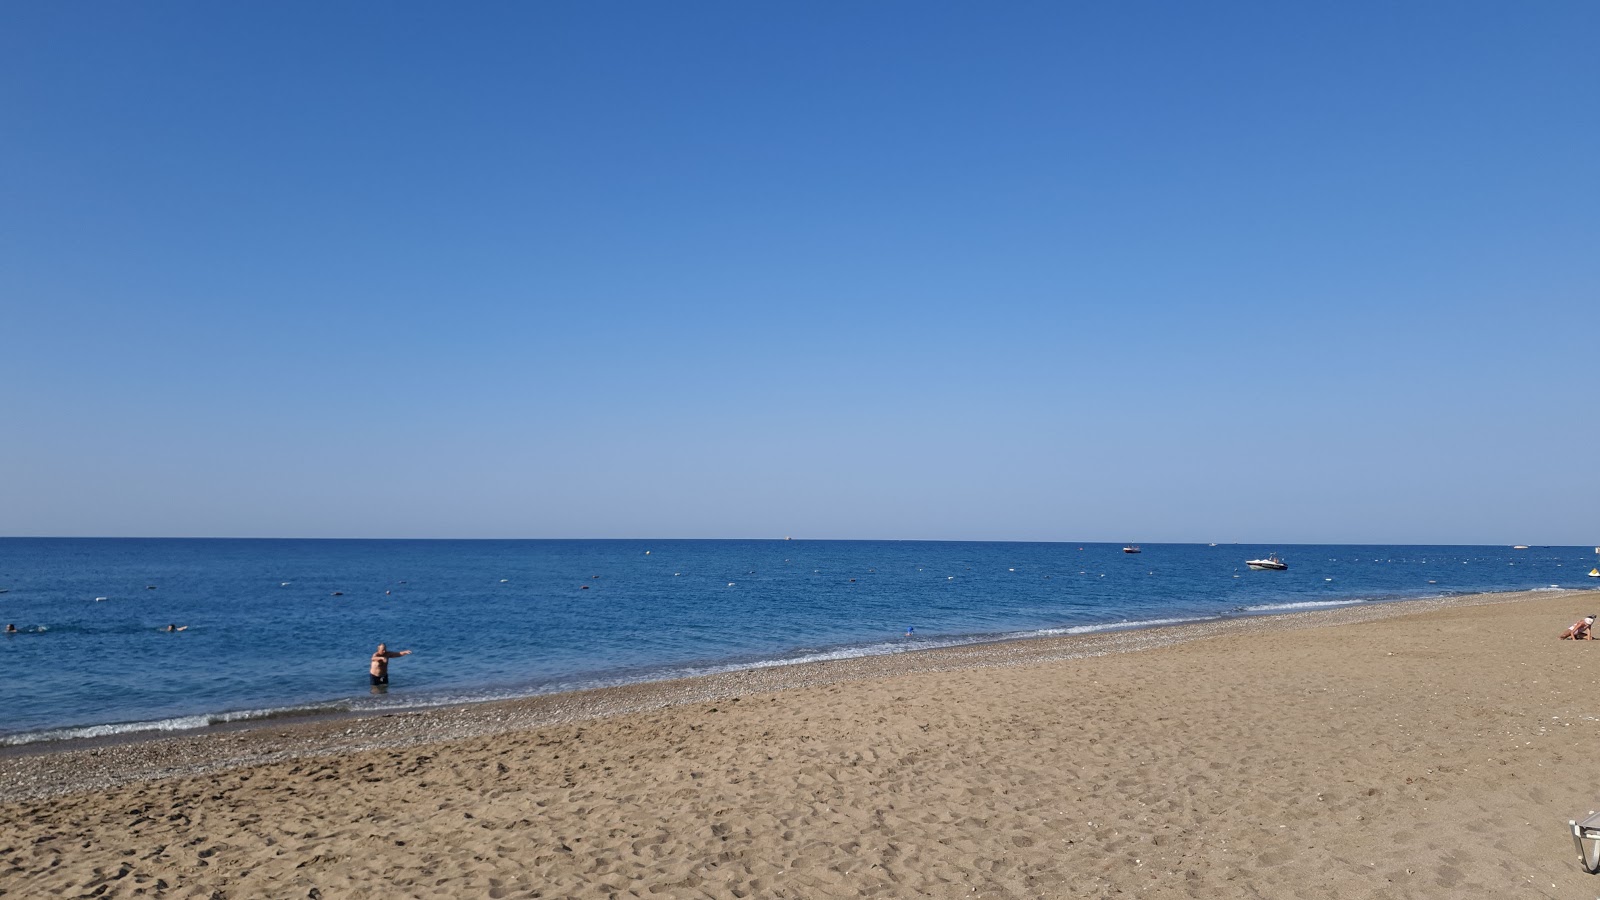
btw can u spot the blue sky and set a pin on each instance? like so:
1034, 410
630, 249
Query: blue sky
1258, 272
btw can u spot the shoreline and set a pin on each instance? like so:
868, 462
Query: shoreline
1377, 752
212, 722
52, 768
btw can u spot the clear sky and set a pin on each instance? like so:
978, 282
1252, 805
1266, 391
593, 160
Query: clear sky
1277, 272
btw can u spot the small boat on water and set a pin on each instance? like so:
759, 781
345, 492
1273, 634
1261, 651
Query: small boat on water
1594, 573
1132, 548
1520, 547
1271, 563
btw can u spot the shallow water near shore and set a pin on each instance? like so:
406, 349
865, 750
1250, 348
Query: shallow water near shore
283, 627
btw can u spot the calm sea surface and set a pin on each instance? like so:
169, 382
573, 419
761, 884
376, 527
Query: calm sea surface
491, 619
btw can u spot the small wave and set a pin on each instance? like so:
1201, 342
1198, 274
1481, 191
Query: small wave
1108, 626
837, 653
1304, 604
180, 723
176, 723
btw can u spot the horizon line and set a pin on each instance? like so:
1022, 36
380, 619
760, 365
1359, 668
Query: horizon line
788, 539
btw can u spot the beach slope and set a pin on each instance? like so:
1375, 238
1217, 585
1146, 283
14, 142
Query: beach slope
1431, 752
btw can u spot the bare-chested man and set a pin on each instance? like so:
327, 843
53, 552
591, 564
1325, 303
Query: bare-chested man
380, 663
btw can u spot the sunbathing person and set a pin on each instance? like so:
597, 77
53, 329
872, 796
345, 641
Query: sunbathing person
1581, 630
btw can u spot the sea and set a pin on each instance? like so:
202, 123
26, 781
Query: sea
286, 627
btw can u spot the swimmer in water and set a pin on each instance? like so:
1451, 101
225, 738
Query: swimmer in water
379, 670
11, 629
910, 629
176, 628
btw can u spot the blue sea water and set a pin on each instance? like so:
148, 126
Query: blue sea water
278, 625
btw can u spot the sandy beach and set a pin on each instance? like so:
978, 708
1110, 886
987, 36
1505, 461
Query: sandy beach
1424, 749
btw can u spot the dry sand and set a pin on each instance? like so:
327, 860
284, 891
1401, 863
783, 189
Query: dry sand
1429, 749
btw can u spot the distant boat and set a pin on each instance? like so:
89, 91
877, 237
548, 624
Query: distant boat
1271, 563
1132, 548
1520, 547
1594, 573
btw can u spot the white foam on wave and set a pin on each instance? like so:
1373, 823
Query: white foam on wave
176, 723
837, 653
180, 723
1107, 626
1303, 604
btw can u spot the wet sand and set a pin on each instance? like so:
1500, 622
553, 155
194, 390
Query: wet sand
1425, 749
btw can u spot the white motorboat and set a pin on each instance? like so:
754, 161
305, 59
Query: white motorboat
1271, 563
1132, 548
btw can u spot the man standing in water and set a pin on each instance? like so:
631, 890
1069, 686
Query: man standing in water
380, 664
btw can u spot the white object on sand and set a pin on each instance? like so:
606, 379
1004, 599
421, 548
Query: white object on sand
1586, 837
